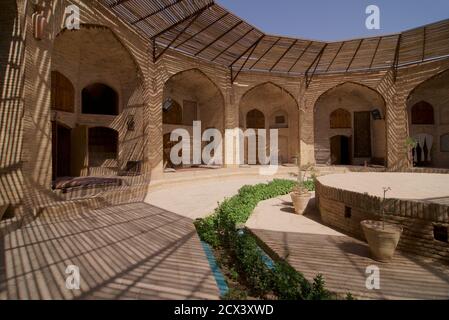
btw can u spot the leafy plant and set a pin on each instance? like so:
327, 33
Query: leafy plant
302, 185
235, 294
382, 206
410, 144
223, 230
349, 296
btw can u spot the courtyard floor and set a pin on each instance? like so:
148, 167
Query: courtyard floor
312, 248
151, 250
134, 251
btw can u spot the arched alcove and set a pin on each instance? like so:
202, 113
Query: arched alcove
109, 92
62, 93
190, 96
428, 119
422, 113
255, 119
279, 110
173, 113
340, 119
343, 115
99, 98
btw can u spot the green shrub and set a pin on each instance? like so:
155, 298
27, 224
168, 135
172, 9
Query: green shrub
288, 283
207, 229
219, 230
235, 294
309, 184
318, 291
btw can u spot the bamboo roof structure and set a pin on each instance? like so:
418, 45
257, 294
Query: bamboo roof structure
204, 29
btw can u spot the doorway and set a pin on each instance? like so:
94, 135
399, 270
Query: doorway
61, 145
362, 134
340, 150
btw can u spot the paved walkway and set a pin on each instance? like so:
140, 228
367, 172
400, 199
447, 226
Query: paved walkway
313, 248
199, 198
134, 251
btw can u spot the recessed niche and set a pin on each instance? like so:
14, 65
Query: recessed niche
348, 212
440, 233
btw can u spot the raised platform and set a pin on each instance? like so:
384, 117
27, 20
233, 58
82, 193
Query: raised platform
417, 201
406, 186
311, 248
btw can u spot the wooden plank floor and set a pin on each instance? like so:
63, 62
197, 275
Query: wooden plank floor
134, 251
343, 260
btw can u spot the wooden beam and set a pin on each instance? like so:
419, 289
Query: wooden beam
232, 44
156, 12
153, 41
221, 36
375, 53
118, 2
335, 57
265, 53
317, 60
396, 58
424, 45
243, 65
203, 29
182, 20
354, 55
283, 55
301, 55
249, 48
177, 36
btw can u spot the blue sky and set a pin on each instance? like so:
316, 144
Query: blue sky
335, 19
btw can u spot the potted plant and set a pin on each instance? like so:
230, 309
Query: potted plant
382, 237
300, 194
410, 144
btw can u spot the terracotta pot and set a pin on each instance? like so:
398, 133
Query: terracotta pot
300, 201
382, 241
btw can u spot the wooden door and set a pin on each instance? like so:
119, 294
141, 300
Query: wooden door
362, 134
61, 155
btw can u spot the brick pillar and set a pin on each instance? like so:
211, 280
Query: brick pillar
306, 127
153, 114
12, 42
231, 117
396, 123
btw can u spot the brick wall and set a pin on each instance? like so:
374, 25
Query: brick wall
25, 160
417, 218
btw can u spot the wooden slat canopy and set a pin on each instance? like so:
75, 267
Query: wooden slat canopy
204, 29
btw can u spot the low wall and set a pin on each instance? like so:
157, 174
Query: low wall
344, 210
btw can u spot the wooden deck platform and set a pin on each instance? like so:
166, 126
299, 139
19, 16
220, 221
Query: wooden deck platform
342, 260
134, 251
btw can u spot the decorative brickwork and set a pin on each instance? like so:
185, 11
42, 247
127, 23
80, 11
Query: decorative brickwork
417, 218
25, 105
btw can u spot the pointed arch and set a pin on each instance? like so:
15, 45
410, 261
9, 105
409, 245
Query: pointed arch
255, 119
355, 84
349, 107
340, 119
99, 98
269, 83
422, 113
